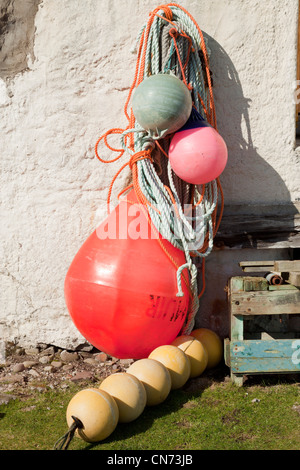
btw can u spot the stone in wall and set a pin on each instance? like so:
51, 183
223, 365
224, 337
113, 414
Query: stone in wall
17, 30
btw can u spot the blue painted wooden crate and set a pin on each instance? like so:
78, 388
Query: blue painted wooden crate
251, 298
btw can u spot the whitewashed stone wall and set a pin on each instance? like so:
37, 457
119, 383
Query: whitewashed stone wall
66, 68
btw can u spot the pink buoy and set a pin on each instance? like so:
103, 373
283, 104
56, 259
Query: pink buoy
197, 152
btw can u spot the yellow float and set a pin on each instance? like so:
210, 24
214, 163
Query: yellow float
129, 394
97, 411
155, 377
212, 343
175, 360
195, 351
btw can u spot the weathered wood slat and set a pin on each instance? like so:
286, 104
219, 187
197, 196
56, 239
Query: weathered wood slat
294, 278
287, 266
265, 227
275, 302
227, 358
257, 269
255, 284
249, 356
236, 284
256, 263
288, 269
257, 241
247, 284
272, 349
284, 287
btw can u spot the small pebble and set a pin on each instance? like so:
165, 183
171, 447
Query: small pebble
18, 367
66, 356
83, 375
12, 378
5, 399
87, 348
29, 408
29, 364
48, 351
90, 361
57, 364
126, 362
45, 359
85, 354
296, 408
20, 351
34, 373
101, 357
32, 351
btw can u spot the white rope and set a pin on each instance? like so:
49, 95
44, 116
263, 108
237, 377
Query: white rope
187, 232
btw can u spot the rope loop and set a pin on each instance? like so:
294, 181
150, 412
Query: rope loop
142, 155
167, 11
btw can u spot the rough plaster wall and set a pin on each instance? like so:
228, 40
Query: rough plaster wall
65, 78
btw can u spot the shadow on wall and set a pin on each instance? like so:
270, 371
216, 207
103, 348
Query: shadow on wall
248, 176
248, 181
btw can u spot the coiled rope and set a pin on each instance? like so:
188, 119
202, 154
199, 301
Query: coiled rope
171, 42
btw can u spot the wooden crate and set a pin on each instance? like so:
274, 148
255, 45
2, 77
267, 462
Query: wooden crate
255, 345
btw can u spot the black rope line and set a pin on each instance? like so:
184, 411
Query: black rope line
63, 442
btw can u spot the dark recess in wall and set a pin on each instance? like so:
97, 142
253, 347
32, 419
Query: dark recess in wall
17, 30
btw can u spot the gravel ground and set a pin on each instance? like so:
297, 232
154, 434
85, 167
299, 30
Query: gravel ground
26, 371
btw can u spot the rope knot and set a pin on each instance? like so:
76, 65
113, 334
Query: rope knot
174, 33
142, 155
167, 11
63, 442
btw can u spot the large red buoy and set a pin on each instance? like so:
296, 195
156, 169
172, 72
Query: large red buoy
121, 288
